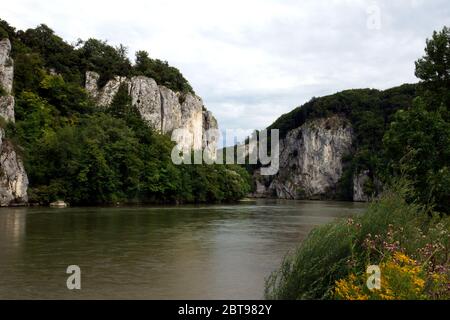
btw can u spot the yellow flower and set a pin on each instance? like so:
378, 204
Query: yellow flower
401, 278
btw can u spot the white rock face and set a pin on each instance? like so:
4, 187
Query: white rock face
109, 91
13, 178
192, 118
145, 96
171, 110
7, 108
211, 134
6, 66
310, 160
6, 80
158, 105
91, 83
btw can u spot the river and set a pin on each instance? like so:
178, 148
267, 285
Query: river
183, 252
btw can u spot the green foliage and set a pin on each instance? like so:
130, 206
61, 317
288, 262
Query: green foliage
76, 151
40, 48
367, 109
417, 145
86, 156
3, 33
102, 160
69, 98
6, 31
56, 54
34, 117
99, 56
390, 133
434, 67
369, 112
434, 71
28, 72
161, 71
336, 250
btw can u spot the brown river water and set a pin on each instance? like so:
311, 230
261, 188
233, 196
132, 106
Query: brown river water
182, 252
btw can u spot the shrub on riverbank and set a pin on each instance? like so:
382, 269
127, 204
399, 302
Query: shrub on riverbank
332, 261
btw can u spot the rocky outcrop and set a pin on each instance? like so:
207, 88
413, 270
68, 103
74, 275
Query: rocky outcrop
192, 118
7, 107
6, 81
163, 109
146, 97
91, 83
311, 161
170, 107
13, 178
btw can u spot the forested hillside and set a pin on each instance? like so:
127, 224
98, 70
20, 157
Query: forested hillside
75, 151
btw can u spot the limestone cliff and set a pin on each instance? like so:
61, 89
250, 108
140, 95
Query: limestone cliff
13, 178
311, 161
163, 109
6, 80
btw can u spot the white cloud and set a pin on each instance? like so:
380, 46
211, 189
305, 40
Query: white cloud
253, 60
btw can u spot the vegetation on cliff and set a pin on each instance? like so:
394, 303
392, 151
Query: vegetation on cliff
83, 154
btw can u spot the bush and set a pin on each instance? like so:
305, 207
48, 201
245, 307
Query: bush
340, 249
3, 33
162, 73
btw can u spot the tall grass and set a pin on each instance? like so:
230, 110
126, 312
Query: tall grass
333, 251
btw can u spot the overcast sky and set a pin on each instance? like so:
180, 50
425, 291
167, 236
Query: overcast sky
253, 60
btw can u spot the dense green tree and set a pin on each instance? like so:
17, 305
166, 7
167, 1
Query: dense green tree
417, 145
161, 71
28, 72
434, 67
56, 53
434, 71
3, 33
99, 56
88, 155
69, 98
417, 142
